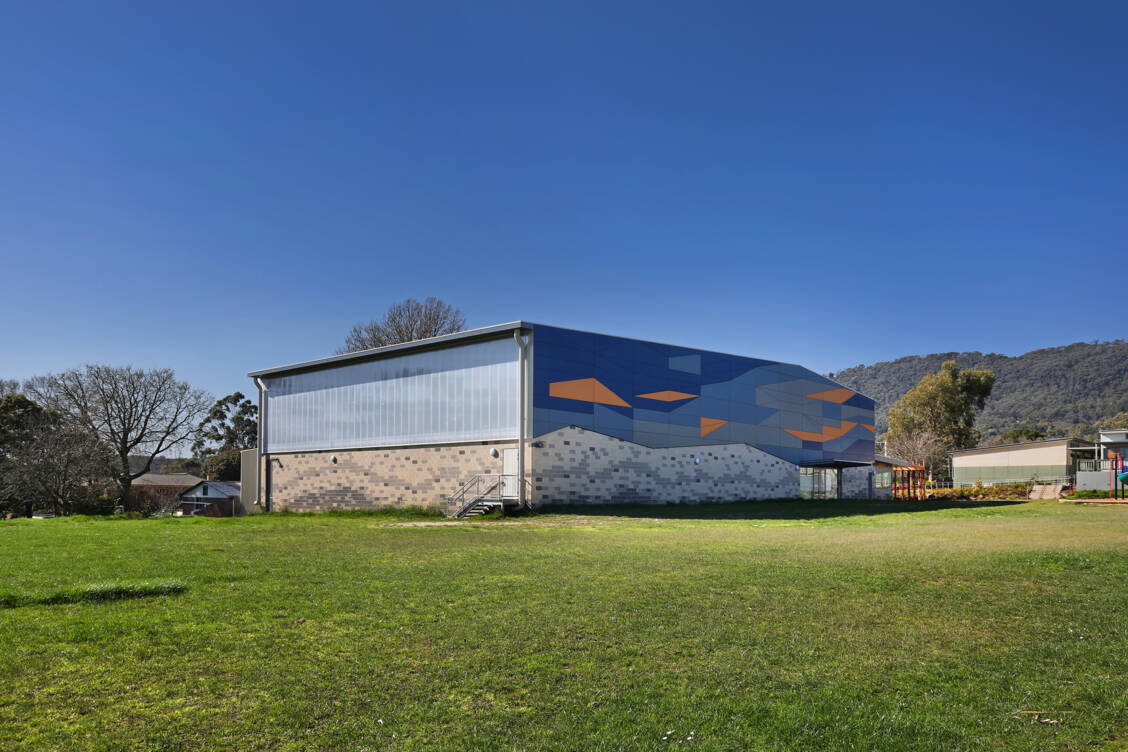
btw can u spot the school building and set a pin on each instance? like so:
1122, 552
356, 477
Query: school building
524, 414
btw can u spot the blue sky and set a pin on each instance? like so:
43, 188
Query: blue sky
223, 187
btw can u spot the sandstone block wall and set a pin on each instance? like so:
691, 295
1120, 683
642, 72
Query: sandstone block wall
374, 478
573, 466
579, 466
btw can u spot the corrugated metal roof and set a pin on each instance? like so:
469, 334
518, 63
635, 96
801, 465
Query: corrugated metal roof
485, 332
166, 479
224, 488
1080, 442
420, 344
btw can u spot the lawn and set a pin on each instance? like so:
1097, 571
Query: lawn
766, 625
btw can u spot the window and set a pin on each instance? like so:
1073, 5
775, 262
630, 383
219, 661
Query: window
882, 476
818, 483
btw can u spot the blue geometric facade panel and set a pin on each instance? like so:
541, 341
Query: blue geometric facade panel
687, 363
665, 396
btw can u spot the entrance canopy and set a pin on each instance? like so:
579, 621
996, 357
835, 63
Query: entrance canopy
835, 464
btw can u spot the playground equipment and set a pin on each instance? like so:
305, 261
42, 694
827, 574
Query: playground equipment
1117, 476
909, 482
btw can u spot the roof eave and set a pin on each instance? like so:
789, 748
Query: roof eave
378, 352
483, 332
1058, 440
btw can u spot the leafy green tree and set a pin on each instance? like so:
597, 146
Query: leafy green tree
223, 465
943, 404
62, 465
1021, 434
1080, 431
232, 423
46, 460
188, 465
1120, 420
19, 418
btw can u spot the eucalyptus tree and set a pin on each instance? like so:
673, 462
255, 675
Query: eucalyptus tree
943, 405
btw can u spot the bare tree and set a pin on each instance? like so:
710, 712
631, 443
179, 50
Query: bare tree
9, 386
920, 448
406, 321
134, 411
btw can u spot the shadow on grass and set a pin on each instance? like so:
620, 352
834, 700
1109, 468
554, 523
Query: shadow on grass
96, 593
770, 509
387, 513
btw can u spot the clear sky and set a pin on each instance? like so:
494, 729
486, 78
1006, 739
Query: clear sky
224, 187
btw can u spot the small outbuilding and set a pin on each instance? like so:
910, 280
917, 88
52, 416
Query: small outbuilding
211, 498
1047, 461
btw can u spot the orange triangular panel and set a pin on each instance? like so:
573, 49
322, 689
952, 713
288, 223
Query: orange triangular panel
868, 427
708, 425
667, 396
828, 432
585, 390
838, 395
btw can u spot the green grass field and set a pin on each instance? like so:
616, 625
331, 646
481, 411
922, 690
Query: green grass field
770, 625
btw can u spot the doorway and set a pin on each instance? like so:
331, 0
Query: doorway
818, 483
509, 474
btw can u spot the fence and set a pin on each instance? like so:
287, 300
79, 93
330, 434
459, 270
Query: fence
1055, 480
1088, 466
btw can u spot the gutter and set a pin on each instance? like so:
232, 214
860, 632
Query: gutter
263, 499
522, 368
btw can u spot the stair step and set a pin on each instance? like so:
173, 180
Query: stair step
481, 508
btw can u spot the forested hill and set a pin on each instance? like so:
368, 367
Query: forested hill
1068, 390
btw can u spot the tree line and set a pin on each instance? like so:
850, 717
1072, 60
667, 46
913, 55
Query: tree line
1059, 391
939, 415
76, 441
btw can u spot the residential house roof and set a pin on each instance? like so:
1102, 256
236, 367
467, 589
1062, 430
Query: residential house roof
221, 489
167, 479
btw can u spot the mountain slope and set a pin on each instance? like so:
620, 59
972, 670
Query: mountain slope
1068, 389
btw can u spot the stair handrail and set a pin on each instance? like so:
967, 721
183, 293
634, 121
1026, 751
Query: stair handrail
457, 498
494, 482
477, 488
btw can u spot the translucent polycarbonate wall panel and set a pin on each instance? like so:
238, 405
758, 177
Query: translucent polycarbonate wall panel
461, 393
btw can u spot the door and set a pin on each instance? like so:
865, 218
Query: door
818, 483
509, 473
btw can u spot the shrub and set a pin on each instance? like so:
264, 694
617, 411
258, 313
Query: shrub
949, 493
97, 505
980, 492
1088, 494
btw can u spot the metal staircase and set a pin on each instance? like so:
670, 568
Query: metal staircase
480, 495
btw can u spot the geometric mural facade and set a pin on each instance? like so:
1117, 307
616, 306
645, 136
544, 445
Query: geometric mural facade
665, 396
